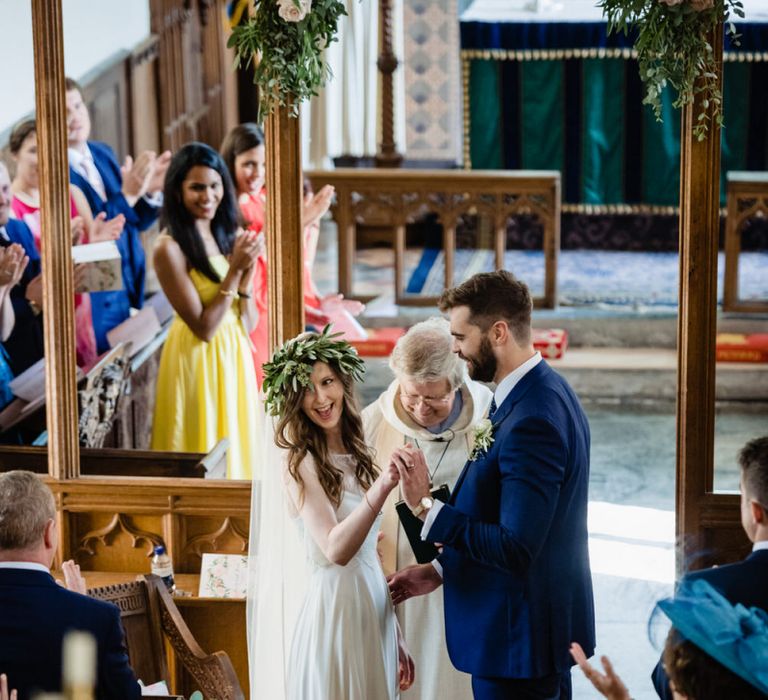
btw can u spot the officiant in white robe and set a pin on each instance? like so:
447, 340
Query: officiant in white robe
434, 406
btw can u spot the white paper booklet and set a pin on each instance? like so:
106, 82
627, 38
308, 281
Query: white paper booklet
30, 384
223, 576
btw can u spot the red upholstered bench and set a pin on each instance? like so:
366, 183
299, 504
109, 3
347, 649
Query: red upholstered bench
379, 343
741, 347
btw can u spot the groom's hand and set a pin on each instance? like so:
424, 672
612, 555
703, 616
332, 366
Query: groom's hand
419, 579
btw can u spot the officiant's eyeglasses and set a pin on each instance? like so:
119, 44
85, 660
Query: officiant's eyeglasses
433, 401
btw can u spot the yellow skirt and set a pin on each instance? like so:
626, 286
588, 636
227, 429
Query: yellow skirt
206, 392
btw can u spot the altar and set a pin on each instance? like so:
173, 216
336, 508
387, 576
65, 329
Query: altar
552, 90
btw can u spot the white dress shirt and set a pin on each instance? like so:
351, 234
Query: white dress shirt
760, 545
503, 389
28, 565
82, 162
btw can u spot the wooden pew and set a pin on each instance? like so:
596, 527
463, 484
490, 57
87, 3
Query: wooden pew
148, 613
109, 526
130, 463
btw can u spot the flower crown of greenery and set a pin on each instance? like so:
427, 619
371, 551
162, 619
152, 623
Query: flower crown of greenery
292, 365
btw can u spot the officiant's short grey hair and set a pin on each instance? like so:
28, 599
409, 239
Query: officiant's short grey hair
425, 354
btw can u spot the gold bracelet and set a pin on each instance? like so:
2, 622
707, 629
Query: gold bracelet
230, 294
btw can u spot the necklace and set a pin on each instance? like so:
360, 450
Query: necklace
439, 461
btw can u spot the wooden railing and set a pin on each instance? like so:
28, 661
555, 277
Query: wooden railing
747, 199
394, 198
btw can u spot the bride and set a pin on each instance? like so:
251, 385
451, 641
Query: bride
343, 642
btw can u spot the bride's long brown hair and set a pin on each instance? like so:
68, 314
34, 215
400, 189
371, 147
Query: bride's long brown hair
297, 434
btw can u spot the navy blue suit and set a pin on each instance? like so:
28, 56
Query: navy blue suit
35, 613
25, 344
745, 582
516, 577
112, 308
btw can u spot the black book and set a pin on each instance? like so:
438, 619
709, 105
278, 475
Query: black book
424, 551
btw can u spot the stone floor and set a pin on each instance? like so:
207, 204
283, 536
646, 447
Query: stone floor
623, 365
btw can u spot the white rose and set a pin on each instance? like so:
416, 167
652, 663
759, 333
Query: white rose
290, 12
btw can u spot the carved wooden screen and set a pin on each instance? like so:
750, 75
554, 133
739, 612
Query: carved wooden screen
196, 100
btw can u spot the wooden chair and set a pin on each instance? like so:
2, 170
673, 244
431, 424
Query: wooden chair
147, 611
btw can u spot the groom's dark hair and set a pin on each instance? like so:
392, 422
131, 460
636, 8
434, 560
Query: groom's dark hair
491, 297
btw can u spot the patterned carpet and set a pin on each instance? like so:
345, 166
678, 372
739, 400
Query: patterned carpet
590, 277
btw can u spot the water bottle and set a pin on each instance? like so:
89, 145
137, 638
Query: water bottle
162, 567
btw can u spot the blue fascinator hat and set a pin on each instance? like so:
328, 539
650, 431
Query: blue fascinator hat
735, 636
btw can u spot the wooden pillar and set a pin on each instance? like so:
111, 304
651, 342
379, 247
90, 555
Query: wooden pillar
387, 157
58, 288
283, 228
697, 320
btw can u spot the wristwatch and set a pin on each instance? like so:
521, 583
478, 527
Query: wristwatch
425, 504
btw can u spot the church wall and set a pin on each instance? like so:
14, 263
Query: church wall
93, 32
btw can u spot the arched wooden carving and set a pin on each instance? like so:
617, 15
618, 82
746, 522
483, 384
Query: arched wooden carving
119, 523
209, 542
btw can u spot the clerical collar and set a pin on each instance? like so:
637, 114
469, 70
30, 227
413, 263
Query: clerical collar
452, 417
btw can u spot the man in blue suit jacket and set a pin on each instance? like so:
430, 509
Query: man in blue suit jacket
36, 613
745, 582
114, 190
25, 344
515, 564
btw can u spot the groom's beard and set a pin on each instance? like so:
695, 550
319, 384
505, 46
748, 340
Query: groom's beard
482, 367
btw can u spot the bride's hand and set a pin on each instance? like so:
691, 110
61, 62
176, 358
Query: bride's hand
406, 667
387, 479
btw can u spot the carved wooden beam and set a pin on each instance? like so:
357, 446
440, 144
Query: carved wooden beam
58, 286
697, 320
387, 157
283, 229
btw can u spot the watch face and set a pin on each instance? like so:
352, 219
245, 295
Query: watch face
426, 502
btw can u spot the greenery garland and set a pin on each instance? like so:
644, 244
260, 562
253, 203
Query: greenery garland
673, 49
285, 39
291, 365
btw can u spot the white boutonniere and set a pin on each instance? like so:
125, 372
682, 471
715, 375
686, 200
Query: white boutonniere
482, 438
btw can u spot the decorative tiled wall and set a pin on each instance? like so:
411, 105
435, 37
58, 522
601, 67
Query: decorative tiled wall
432, 80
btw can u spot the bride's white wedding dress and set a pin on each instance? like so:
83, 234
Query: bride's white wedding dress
344, 645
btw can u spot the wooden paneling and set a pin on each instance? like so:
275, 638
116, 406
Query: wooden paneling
195, 97
112, 522
144, 96
106, 92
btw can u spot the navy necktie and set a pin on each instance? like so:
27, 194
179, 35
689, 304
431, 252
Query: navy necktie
492, 409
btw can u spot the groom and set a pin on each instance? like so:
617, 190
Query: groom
514, 565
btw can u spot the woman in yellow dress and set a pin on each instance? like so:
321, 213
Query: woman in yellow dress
206, 384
